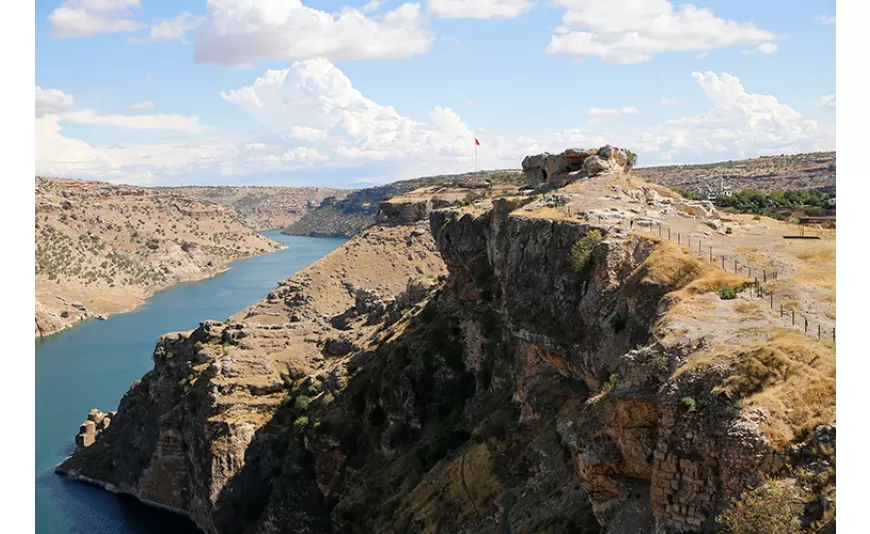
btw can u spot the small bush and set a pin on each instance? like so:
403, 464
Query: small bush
689, 404
300, 424
302, 402
772, 508
582, 249
728, 292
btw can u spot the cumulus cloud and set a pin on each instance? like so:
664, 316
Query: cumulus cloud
177, 123
827, 20
764, 48
670, 101
139, 106
740, 124
478, 9
611, 112
373, 6
83, 18
261, 147
631, 31
170, 30
827, 101
52, 101
239, 32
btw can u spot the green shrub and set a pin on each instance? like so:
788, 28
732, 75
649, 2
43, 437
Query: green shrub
582, 249
772, 508
300, 424
728, 292
689, 404
197, 346
302, 402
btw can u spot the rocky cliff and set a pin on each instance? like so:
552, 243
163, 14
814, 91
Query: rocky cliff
567, 375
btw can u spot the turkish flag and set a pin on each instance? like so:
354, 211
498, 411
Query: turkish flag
476, 142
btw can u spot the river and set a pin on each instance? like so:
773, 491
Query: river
93, 364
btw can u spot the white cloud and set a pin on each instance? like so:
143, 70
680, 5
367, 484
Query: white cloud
239, 32
373, 6
52, 101
827, 101
478, 9
323, 110
261, 147
170, 30
139, 106
827, 20
611, 112
740, 125
764, 48
631, 31
83, 18
670, 101
178, 123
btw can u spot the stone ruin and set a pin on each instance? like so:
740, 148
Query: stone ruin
559, 169
89, 430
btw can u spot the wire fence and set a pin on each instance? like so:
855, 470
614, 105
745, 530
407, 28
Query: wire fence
762, 276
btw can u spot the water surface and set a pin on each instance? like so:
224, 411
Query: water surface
93, 364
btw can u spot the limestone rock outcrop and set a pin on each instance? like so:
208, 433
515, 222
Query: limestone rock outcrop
559, 169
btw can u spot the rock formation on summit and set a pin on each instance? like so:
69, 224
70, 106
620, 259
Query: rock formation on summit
559, 169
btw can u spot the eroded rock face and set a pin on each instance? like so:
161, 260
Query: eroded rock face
559, 169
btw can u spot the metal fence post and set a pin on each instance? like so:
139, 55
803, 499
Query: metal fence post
834, 333
764, 274
771, 301
792, 317
820, 331
780, 311
669, 234
678, 239
806, 325
723, 263
735, 266
711, 253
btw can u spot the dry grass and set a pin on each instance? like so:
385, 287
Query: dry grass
818, 254
745, 307
791, 305
818, 275
787, 374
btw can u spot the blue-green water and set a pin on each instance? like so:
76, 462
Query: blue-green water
92, 365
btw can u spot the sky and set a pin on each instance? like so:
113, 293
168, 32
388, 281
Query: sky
350, 93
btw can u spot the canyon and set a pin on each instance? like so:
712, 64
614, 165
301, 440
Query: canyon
497, 359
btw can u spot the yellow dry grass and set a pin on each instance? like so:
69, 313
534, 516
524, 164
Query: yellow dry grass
745, 307
818, 275
818, 254
678, 267
789, 375
791, 305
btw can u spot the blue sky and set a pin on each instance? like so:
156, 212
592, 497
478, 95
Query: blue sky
165, 93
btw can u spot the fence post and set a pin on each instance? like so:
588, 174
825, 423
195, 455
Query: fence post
723, 263
764, 273
750, 273
669, 234
820, 331
771, 301
834, 333
699, 246
806, 325
780, 311
711, 253
735, 266
660, 229
792, 317
678, 239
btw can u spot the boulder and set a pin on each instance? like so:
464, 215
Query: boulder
595, 165
338, 346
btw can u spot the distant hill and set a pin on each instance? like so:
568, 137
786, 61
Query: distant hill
344, 216
817, 170
263, 208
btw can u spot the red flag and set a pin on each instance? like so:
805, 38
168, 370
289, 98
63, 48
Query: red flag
476, 142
